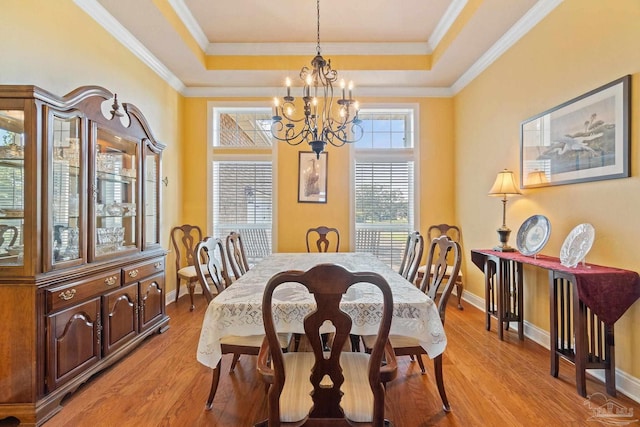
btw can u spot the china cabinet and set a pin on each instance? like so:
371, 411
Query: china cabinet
81, 266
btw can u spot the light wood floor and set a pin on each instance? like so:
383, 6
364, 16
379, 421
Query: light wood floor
489, 383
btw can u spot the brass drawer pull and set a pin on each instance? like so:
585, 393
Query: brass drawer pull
110, 281
67, 295
158, 265
133, 273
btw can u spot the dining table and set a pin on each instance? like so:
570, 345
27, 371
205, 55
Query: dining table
237, 310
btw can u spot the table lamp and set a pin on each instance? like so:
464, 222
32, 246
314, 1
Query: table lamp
504, 186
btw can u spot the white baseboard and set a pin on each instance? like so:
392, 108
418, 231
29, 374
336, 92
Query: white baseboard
625, 383
170, 297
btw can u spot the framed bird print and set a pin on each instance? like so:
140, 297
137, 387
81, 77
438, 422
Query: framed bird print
312, 177
584, 139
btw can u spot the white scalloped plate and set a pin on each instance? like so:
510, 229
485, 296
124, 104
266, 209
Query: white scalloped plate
577, 245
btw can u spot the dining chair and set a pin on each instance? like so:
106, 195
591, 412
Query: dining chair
213, 271
454, 233
184, 239
412, 256
321, 238
326, 387
212, 267
317, 238
236, 255
440, 250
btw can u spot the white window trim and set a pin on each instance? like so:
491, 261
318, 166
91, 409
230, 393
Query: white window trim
399, 155
232, 154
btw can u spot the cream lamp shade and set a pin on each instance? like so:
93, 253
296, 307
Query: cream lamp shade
505, 185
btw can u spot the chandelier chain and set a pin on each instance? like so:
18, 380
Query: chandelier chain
318, 8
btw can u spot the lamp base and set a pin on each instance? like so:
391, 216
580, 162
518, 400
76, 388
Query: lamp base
503, 234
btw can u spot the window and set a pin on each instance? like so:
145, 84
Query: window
384, 183
242, 180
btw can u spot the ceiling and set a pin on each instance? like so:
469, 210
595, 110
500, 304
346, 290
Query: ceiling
248, 47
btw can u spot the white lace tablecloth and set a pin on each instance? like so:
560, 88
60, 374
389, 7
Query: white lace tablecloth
238, 309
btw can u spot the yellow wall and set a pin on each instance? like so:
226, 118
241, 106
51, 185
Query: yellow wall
58, 47
293, 219
580, 46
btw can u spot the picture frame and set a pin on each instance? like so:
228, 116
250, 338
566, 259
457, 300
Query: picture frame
312, 177
584, 139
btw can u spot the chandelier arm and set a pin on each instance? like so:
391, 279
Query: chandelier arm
342, 135
290, 137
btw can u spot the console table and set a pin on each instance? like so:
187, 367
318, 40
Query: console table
586, 301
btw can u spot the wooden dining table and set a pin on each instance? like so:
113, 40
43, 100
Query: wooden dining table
238, 309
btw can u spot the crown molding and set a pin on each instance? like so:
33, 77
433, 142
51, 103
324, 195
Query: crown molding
185, 15
270, 92
113, 27
446, 22
536, 14
283, 49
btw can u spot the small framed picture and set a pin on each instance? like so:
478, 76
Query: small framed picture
312, 177
584, 139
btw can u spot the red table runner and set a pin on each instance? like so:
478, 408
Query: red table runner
607, 291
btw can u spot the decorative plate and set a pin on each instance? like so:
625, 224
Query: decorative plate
577, 244
533, 235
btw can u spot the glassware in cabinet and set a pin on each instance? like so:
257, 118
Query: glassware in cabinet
66, 196
151, 193
115, 194
12, 187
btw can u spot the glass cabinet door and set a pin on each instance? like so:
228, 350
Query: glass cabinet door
66, 200
115, 193
151, 198
12, 187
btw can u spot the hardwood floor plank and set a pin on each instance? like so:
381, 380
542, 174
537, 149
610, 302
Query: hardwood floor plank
488, 382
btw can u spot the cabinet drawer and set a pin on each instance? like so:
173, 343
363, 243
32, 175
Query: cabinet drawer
139, 271
70, 294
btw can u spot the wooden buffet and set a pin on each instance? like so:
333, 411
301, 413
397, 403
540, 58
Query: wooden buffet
82, 270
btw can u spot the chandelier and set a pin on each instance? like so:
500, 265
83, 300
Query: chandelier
317, 126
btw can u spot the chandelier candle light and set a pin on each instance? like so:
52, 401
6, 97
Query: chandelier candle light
318, 126
504, 186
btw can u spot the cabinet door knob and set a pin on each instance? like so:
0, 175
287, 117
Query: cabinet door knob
158, 265
110, 281
67, 295
133, 273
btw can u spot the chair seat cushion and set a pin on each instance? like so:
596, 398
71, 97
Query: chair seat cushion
295, 401
447, 273
253, 340
397, 341
189, 272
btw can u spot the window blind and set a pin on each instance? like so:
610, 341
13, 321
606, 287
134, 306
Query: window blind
242, 200
384, 206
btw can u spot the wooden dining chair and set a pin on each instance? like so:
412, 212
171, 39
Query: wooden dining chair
236, 255
326, 387
440, 250
322, 239
212, 267
213, 272
453, 232
412, 256
318, 238
184, 239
